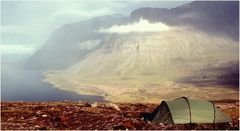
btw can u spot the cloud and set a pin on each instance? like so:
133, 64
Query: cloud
22, 29
64, 16
141, 26
28, 34
16, 49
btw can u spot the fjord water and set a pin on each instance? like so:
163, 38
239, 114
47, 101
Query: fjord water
19, 84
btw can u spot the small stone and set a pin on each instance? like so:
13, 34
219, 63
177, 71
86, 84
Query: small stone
39, 112
161, 124
128, 115
44, 115
94, 105
34, 118
114, 106
9, 119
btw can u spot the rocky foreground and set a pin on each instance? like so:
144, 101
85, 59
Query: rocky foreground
83, 115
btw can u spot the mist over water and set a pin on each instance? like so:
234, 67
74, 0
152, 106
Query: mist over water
19, 84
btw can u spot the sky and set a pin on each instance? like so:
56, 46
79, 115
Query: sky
26, 25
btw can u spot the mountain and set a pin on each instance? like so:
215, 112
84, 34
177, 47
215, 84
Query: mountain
169, 52
216, 17
134, 67
196, 56
67, 45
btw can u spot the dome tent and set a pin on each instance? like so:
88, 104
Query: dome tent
184, 110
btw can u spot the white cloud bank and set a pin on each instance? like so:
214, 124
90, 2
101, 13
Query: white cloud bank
141, 26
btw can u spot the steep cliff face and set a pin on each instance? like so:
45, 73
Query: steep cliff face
64, 46
169, 53
216, 17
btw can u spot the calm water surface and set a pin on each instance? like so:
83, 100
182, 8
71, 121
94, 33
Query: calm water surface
19, 84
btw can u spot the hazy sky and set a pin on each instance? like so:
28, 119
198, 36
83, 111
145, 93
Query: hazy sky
26, 25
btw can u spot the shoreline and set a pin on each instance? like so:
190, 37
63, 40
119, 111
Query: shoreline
133, 91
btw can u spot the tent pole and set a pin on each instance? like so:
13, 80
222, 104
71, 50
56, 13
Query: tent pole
214, 116
190, 114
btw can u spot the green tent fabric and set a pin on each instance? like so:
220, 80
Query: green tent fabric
184, 110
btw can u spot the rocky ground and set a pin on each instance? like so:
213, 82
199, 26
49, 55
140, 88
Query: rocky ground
83, 115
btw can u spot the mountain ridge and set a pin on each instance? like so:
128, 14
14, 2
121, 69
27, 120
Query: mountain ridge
61, 45
211, 16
